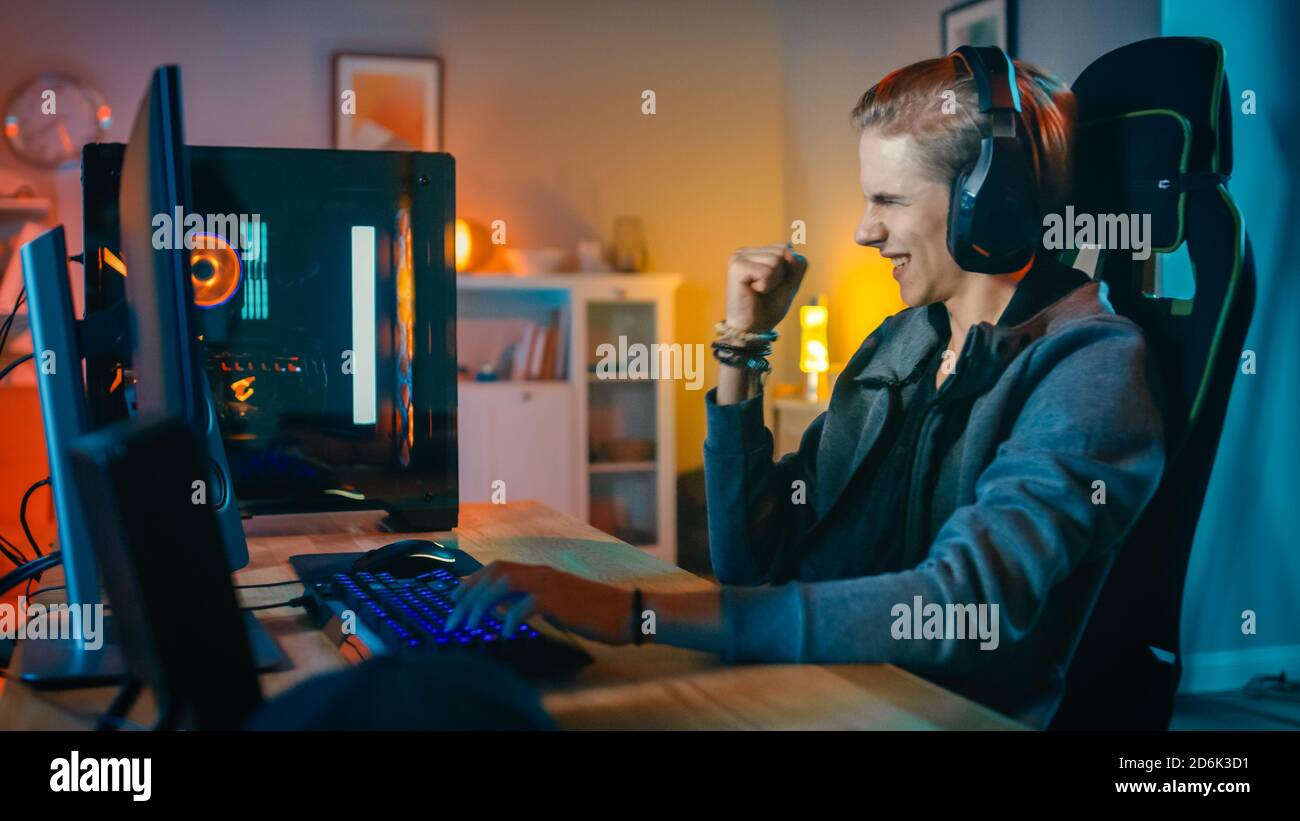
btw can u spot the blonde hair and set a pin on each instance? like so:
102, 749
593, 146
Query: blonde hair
913, 101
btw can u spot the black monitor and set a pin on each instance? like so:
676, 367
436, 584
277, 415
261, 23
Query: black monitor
157, 178
179, 627
151, 325
326, 308
161, 327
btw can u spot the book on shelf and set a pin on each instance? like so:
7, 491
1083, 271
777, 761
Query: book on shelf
562, 350
539, 354
551, 348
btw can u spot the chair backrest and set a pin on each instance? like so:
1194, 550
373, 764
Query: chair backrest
1155, 138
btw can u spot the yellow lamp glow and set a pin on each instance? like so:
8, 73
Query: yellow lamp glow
814, 355
814, 348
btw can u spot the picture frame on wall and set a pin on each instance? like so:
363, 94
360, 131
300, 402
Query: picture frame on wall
395, 102
979, 23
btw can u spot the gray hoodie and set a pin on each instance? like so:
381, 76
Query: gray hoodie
1056, 448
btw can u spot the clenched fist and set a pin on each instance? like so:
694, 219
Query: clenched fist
761, 284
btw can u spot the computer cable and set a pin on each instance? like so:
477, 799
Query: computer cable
114, 718
9, 320
22, 514
347, 641
29, 570
20, 360
111, 722
48, 589
11, 552
1265, 686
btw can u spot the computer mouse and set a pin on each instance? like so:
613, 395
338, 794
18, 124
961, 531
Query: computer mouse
413, 557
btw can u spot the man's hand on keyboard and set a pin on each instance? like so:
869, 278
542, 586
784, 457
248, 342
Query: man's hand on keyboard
596, 611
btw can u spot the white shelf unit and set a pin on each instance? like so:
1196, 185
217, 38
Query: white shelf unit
543, 437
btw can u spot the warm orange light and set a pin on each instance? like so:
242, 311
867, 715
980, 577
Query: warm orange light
463, 244
11, 130
243, 388
473, 246
865, 293
112, 260
214, 252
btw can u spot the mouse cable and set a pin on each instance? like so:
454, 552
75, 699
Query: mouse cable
300, 601
312, 580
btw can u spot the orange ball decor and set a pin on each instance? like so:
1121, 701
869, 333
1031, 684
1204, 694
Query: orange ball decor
214, 269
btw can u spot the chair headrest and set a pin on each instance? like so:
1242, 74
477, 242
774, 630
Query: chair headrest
1154, 125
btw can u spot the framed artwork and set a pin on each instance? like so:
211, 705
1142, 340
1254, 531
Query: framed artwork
979, 23
395, 103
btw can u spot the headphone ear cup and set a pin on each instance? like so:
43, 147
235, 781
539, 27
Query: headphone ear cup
958, 237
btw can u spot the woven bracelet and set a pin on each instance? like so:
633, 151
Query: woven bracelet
755, 364
727, 332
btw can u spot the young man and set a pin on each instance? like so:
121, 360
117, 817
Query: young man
958, 507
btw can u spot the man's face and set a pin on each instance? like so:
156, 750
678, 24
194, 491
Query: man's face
906, 218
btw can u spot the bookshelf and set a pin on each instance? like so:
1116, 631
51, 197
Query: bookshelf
599, 447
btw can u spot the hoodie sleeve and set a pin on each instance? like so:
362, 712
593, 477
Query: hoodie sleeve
755, 509
1089, 418
752, 504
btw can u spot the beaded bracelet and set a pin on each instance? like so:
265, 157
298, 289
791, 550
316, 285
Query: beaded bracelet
729, 332
746, 350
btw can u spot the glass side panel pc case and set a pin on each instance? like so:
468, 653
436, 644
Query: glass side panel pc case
324, 283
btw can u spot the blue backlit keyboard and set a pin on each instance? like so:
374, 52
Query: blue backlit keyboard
397, 615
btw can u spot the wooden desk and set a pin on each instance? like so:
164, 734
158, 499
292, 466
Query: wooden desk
649, 687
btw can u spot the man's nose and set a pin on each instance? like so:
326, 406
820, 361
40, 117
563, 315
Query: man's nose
870, 232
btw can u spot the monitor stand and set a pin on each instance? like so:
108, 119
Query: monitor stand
52, 663
420, 520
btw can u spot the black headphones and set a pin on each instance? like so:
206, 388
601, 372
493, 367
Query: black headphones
993, 224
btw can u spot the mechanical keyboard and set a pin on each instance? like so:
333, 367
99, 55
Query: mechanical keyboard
400, 615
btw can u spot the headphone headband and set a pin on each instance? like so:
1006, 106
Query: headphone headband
992, 217
995, 76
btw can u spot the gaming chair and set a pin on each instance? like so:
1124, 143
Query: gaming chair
1155, 137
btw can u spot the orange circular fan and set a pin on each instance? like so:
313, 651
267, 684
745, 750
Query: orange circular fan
214, 269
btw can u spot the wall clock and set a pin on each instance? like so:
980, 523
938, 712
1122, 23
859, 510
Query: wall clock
48, 119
